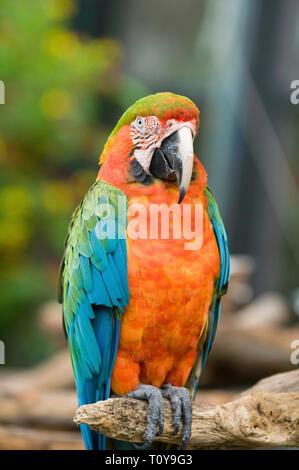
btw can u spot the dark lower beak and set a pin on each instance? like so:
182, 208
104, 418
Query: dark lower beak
174, 160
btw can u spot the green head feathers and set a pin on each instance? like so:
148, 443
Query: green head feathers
164, 105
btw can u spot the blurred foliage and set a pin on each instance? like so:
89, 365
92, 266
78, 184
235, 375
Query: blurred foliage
52, 127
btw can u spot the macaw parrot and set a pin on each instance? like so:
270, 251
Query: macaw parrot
140, 313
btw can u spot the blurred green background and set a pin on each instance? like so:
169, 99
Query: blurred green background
72, 67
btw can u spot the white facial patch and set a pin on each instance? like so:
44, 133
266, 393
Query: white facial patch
148, 134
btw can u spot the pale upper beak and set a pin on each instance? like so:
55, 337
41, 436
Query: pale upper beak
175, 159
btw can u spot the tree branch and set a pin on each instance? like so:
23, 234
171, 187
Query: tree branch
260, 419
24, 438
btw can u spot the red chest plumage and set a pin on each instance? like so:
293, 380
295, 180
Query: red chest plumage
170, 294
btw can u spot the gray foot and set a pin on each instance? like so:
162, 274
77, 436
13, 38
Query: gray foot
180, 401
155, 415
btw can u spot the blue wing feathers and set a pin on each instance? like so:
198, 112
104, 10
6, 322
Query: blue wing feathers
88, 340
103, 328
111, 286
116, 276
221, 285
95, 293
98, 250
120, 260
85, 273
99, 295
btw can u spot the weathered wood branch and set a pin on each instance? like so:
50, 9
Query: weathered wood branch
260, 419
278, 383
52, 409
24, 438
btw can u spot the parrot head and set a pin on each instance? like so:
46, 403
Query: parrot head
153, 139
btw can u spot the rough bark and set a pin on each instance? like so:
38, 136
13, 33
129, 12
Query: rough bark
278, 383
259, 419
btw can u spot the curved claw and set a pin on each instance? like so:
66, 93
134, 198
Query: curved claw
180, 401
155, 415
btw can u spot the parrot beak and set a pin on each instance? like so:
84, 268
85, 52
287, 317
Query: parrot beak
183, 162
175, 159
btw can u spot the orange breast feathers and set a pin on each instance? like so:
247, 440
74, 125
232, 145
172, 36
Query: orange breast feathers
171, 288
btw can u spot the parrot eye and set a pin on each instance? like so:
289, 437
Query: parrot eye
140, 123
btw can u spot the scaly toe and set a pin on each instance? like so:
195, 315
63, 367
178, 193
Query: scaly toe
187, 419
180, 401
155, 417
